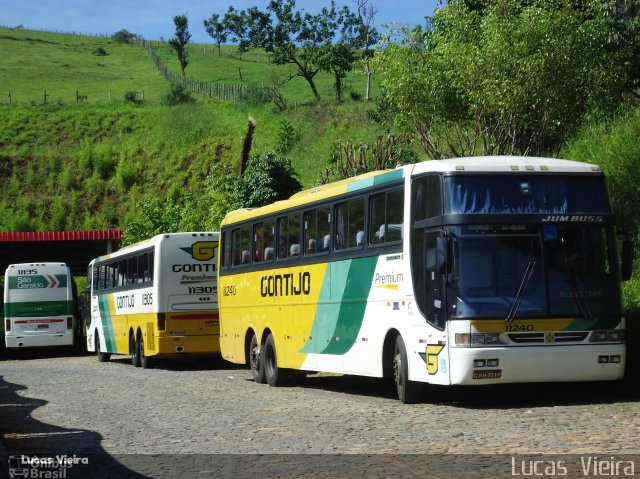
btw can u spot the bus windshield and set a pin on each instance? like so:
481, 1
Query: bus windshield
541, 270
519, 194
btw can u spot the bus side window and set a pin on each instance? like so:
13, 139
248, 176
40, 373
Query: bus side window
309, 224
132, 270
323, 238
263, 241
226, 251
294, 235
349, 224
241, 245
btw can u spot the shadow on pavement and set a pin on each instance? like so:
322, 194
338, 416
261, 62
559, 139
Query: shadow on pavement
33, 445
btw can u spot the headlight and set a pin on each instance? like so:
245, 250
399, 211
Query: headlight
614, 336
477, 339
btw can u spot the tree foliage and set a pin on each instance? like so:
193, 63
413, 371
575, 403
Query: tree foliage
506, 76
182, 38
268, 178
216, 30
309, 42
124, 36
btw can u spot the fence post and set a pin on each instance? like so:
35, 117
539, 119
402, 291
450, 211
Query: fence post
109, 95
9, 97
142, 95
77, 96
45, 96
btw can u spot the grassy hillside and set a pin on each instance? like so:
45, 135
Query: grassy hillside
71, 165
62, 64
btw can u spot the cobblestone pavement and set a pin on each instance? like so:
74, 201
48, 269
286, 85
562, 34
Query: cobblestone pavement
76, 405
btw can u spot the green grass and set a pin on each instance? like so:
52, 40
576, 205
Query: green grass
63, 64
69, 165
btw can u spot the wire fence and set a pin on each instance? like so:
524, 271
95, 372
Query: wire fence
219, 90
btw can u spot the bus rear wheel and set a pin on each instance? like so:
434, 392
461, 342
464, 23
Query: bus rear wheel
274, 375
102, 357
134, 347
408, 391
256, 361
145, 361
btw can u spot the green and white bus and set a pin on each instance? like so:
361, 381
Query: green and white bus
40, 306
155, 298
463, 271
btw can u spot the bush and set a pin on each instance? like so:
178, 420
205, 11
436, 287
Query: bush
130, 97
355, 96
101, 52
178, 94
124, 36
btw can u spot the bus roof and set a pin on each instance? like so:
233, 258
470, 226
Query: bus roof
495, 164
155, 240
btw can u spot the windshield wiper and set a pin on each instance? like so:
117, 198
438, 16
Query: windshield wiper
531, 267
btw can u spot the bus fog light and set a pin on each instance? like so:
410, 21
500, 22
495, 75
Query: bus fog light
462, 339
492, 363
603, 359
479, 363
614, 359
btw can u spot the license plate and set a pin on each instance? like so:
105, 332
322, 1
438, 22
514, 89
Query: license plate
488, 374
43, 326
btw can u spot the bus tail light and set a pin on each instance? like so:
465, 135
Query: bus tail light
162, 324
69, 322
7, 325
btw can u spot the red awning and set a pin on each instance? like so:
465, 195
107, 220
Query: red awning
96, 235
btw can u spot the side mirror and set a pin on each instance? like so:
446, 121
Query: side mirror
626, 266
441, 254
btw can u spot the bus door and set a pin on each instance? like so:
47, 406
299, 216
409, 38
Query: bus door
434, 298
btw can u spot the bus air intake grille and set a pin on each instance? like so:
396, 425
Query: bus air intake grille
559, 337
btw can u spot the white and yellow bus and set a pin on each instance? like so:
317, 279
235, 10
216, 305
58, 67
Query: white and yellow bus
40, 306
464, 271
157, 297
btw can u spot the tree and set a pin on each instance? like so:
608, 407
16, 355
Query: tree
368, 36
179, 43
216, 30
337, 59
268, 178
504, 76
292, 37
124, 36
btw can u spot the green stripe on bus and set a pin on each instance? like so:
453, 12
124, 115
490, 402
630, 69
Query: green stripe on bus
37, 281
107, 325
583, 324
375, 180
342, 303
38, 309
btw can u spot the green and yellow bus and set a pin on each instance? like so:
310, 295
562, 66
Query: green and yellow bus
155, 298
463, 271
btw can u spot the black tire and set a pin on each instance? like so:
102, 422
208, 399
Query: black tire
102, 357
135, 351
256, 361
408, 391
274, 375
145, 361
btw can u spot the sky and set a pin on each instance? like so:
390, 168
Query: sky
153, 18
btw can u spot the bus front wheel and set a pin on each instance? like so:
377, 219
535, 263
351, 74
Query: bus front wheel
256, 360
408, 391
274, 375
102, 357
